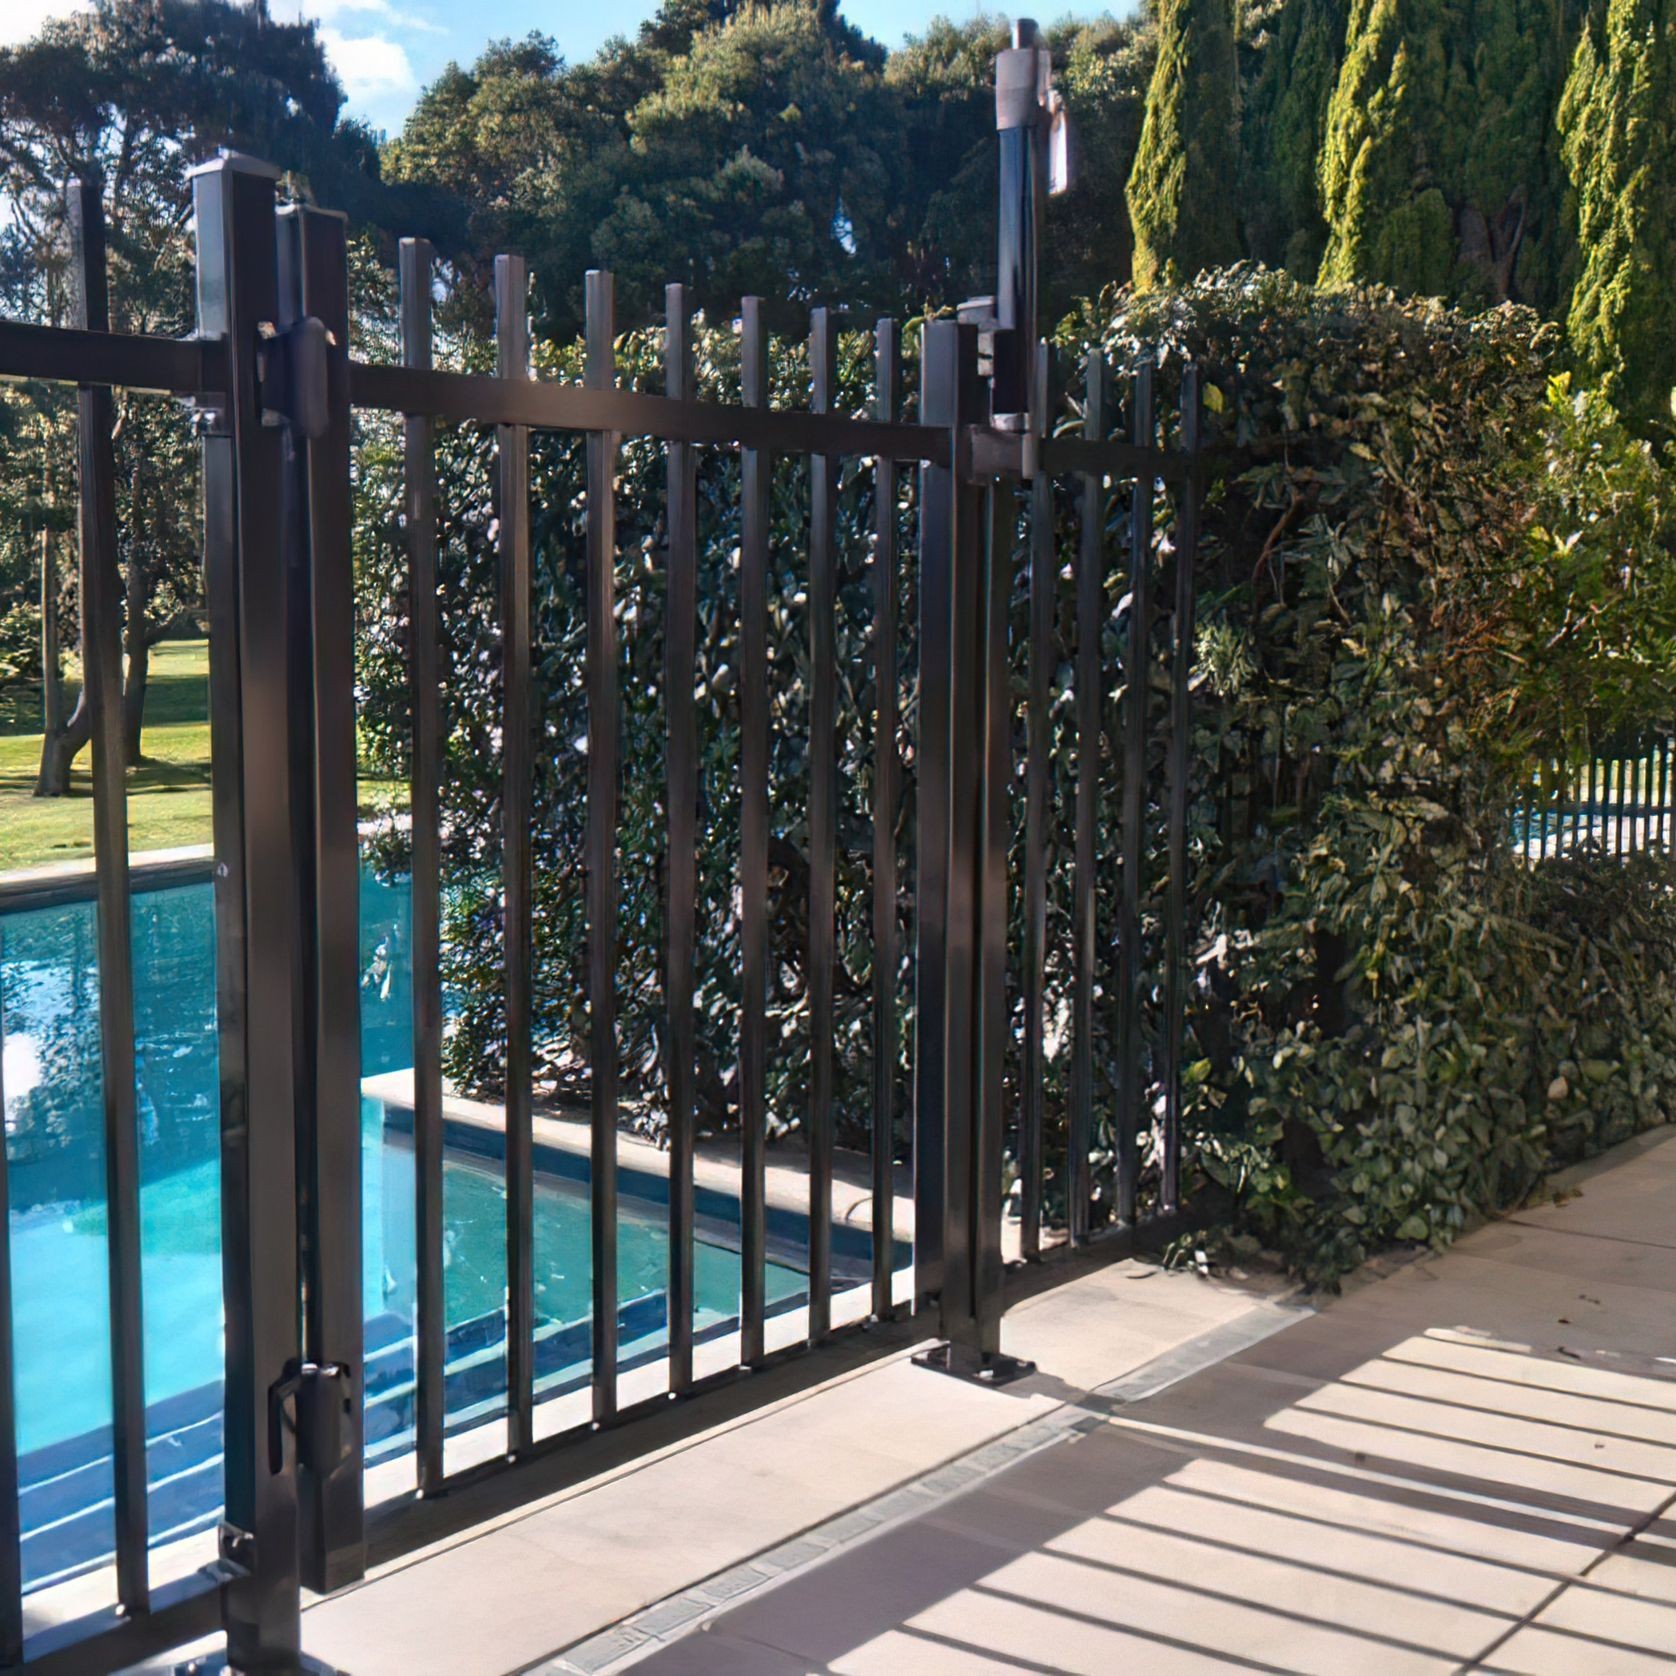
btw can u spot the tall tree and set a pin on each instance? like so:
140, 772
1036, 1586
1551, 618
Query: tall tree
1619, 124
1290, 54
1182, 190
1438, 172
131, 93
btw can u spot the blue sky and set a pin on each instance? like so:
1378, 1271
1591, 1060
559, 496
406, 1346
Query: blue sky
386, 50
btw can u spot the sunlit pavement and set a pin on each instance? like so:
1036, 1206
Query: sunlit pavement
1469, 1464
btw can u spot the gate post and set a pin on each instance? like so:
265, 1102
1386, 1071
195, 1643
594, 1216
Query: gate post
314, 288
258, 952
964, 758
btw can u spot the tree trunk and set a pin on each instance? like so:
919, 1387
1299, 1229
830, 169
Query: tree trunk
138, 648
61, 739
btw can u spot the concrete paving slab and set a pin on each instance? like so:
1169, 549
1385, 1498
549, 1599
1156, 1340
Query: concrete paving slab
1466, 1465
686, 1522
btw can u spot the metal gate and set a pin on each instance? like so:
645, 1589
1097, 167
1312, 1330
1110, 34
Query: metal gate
274, 388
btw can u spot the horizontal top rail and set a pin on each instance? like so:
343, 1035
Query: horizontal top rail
125, 360
197, 368
484, 399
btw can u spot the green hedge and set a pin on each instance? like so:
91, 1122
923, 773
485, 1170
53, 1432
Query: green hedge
1410, 568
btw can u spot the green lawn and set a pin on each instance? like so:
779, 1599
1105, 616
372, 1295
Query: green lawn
168, 794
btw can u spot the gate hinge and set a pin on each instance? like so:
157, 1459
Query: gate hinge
292, 377
322, 1395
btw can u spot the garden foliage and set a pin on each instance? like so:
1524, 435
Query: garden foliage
1411, 581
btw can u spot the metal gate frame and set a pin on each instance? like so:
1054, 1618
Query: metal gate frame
274, 386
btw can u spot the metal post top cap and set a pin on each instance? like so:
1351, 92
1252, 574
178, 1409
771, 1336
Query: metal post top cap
1025, 32
235, 163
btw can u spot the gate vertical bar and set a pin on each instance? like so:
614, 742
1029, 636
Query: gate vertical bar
1181, 715
419, 446
823, 791
1089, 703
314, 275
887, 779
756, 475
11, 1533
512, 340
681, 877
256, 911
1137, 670
601, 374
102, 673
1044, 582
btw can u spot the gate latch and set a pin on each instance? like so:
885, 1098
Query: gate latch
291, 376
322, 1398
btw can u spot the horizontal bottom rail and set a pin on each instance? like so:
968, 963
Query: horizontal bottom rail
181, 1612
490, 1488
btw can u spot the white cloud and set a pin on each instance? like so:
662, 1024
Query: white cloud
398, 20
19, 19
370, 66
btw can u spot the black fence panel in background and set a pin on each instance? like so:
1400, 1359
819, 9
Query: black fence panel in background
1616, 801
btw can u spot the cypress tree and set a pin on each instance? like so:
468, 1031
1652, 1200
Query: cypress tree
1294, 55
1438, 172
1181, 189
1618, 119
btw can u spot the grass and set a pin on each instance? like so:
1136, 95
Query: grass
168, 794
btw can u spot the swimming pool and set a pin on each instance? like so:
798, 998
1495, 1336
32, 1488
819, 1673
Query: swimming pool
54, 1140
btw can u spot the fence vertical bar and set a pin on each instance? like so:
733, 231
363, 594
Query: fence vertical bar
1636, 839
887, 777
681, 875
952, 396
756, 476
940, 395
11, 1531
1665, 791
256, 908
419, 449
1090, 615
1615, 781
102, 672
1137, 670
601, 374
512, 342
314, 273
823, 829
993, 832
1180, 770
1044, 579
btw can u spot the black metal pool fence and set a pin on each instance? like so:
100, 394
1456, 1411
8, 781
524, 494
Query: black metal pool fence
274, 388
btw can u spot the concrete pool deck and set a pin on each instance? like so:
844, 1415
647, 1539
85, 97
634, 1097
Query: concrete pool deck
764, 1488
1466, 1462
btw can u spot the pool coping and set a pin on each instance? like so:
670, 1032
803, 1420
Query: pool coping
715, 1161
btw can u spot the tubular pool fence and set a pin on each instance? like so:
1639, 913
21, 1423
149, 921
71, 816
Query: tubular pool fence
275, 390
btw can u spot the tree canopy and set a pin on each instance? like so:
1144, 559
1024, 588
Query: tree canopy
1182, 189
1619, 120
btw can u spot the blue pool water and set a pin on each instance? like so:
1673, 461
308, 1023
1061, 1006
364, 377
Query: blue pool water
49, 1014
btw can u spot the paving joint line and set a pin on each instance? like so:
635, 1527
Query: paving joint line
635, 1637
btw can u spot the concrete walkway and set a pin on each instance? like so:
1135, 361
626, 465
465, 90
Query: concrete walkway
1466, 1465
